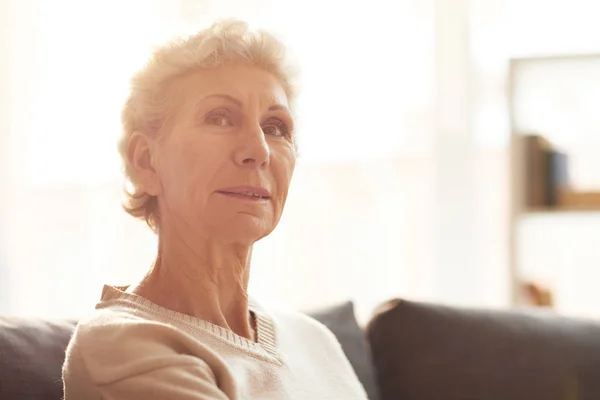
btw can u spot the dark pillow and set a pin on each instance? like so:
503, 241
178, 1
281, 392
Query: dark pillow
340, 320
31, 356
430, 352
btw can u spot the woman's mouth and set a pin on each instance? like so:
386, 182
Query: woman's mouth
248, 193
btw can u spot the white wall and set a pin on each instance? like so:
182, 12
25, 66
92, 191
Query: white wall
5, 110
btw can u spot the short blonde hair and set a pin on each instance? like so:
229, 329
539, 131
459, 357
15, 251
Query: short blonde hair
147, 107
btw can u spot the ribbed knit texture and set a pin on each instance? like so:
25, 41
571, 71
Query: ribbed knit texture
131, 348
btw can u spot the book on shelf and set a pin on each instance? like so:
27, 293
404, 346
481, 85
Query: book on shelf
558, 176
546, 172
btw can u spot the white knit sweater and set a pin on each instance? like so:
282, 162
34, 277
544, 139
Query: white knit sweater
131, 349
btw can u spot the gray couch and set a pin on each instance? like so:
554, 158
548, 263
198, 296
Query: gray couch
410, 351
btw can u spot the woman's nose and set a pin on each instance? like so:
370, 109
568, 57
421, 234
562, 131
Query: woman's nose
253, 149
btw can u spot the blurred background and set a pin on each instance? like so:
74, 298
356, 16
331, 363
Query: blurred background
449, 151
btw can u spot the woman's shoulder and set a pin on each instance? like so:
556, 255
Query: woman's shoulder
120, 317
111, 342
113, 320
117, 346
115, 330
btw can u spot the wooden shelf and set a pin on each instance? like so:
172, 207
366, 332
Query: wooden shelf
562, 210
571, 202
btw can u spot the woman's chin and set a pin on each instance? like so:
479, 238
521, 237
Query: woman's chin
247, 230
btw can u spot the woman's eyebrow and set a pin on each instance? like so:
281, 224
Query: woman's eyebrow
276, 107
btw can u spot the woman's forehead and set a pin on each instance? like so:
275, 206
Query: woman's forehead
238, 83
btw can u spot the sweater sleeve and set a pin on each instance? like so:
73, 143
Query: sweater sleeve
131, 359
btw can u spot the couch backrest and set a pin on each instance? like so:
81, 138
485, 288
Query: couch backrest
427, 352
31, 355
420, 351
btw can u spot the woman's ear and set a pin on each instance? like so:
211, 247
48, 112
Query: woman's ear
143, 162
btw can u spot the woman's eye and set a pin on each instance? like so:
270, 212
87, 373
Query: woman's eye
276, 128
219, 120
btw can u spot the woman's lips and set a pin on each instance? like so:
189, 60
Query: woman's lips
248, 193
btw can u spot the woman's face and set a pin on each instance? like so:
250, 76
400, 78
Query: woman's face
226, 160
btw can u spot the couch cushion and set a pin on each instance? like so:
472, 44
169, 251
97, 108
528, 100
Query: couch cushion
31, 357
341, 321
426, 352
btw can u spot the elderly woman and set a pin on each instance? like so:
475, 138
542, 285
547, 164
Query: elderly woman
209, 148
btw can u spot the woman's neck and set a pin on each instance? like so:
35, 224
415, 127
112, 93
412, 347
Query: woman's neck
208, 280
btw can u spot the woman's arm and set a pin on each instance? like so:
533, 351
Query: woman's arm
133, 360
